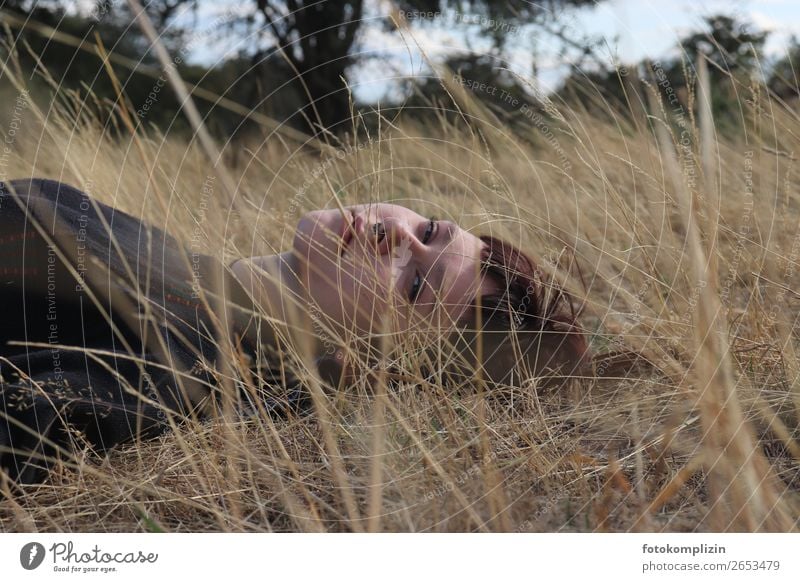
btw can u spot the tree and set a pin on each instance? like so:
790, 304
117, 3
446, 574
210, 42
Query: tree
315, 38
783, 79
729, 44
733, 49
505, 15
496, 88
78, 68
309, 43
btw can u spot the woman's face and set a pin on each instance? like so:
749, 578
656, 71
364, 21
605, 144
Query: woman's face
356, 265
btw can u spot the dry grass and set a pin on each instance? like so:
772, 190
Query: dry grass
689, 423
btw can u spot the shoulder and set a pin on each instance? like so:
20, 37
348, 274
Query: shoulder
42, 188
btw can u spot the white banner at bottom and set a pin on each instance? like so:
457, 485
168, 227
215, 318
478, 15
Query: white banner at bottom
380, 557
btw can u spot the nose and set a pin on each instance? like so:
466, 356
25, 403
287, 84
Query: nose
397, 234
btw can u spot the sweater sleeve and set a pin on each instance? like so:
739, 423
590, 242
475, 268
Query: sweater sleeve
273, 388
101, 368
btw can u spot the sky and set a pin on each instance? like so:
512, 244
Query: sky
634, 29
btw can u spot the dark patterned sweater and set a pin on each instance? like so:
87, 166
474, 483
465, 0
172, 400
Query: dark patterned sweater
113, 362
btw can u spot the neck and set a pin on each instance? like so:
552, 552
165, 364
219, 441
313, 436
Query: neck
277, 294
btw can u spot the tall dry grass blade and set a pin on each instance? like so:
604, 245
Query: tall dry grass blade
335, 458
741, 485
709, 152
146, 161
673, 486
224, 328
778, 427
466, 505
376, 474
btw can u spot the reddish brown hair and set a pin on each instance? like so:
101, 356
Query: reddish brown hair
528, 327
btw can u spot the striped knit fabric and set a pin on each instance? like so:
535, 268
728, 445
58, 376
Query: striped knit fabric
94, 361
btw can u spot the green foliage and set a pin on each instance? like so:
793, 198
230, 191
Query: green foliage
729, 44
783, 79
488, 81
510, 12
733, 50
151, 100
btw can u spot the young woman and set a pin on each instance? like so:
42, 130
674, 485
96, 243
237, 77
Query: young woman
110, 329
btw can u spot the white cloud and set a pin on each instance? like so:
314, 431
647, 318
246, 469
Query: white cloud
763, 21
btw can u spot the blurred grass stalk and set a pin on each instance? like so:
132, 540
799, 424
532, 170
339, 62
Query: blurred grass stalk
742, 487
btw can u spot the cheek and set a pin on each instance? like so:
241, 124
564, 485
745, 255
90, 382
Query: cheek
375, 298
361, 286
311, 238
359, 296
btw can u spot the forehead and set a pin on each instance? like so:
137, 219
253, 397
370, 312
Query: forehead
385, 209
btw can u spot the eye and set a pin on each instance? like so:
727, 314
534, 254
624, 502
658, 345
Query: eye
429, 230
416, 285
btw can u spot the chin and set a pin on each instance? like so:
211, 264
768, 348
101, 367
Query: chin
315, 227
304, 234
